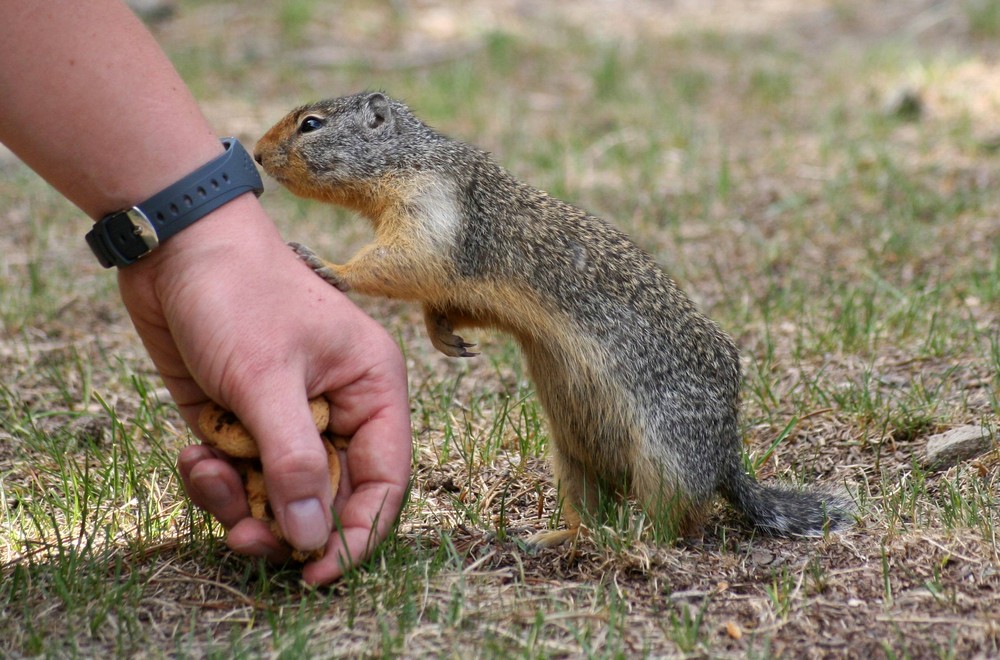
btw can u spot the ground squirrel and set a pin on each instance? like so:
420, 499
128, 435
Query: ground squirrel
641, 390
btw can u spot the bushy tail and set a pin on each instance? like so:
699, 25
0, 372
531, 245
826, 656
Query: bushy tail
785, 511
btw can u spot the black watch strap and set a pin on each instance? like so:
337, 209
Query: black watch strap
121, 238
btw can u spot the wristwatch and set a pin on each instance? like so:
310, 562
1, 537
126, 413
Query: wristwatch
123, 237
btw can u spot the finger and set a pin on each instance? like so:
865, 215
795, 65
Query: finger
378, 463
204, 474
377, 509
254, 538
213, 485
294, 460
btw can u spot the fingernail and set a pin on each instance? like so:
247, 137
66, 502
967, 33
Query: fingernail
305, 524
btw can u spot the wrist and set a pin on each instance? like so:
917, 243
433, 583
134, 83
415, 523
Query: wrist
123, 237
236, 230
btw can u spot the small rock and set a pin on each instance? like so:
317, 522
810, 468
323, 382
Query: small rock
960, 444
989, 143
906, 103
154, 11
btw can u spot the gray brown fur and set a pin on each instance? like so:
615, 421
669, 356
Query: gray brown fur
640, 389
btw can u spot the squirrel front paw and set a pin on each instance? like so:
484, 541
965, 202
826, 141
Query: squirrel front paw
319, 266
445, 340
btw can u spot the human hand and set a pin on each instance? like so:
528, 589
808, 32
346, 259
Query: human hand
228, 313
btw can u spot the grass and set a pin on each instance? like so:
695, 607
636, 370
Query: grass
852, 254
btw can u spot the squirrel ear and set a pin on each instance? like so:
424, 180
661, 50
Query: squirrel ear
377, 110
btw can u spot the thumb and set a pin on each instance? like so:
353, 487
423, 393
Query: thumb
295, 464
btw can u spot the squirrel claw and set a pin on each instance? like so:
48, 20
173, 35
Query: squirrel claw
466, 353
454, 346
552, 538
319, 266
444, 339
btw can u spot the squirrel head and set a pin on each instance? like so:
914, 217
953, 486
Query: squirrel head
341, 149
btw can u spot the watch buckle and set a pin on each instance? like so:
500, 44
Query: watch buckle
143, 228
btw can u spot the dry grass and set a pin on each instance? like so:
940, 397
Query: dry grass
849, 244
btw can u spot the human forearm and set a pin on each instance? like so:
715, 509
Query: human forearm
92, 104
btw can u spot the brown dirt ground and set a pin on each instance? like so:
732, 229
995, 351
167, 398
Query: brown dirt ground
906, 586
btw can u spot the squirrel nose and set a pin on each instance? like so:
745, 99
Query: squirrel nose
257, 157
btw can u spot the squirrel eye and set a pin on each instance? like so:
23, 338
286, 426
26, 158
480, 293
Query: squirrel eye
310, 124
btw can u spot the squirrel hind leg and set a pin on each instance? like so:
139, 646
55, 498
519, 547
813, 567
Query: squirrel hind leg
579, 494
673, 513
443, 337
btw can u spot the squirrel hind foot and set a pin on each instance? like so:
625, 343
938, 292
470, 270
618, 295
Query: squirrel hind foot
319, 266
552, 538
